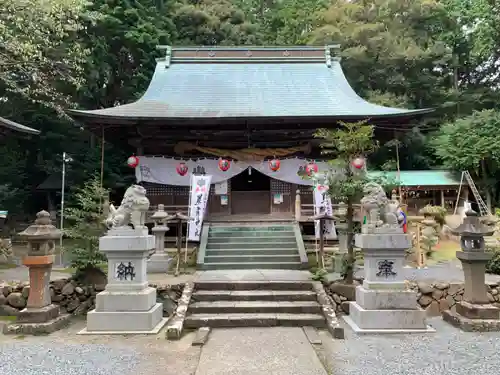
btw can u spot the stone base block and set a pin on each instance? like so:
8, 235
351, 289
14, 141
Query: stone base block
476, 311
125, 301
38, 315
159, 263
386, 321
115, 322
386, 285
470, 325
37, 328
370, 299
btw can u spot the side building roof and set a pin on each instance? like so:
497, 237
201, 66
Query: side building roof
14, 126
247, 82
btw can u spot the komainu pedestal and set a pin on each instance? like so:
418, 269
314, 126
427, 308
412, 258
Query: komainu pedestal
128, 304
383, 303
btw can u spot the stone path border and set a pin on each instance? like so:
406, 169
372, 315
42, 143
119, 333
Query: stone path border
201, 336
176, 322
332, 322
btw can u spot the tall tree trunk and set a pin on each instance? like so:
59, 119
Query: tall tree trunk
349, 277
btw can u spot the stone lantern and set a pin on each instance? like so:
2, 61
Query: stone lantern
474, 312
159, 261
40, 315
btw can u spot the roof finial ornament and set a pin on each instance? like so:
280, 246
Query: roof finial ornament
328, 54
168, 54
328, 57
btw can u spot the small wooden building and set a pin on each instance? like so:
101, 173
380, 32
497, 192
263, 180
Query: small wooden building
248, 105
8, 127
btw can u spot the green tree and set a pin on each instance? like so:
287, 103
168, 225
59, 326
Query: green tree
346, 184
40, 60
86, 225
471, 143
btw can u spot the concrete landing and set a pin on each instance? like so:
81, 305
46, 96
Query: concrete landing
257, 351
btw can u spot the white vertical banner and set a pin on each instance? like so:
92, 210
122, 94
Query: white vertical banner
323, 203
199, 192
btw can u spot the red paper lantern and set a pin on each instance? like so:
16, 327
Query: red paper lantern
358, 163
224, 165
182, 169
133, 161
274, 165
311, 168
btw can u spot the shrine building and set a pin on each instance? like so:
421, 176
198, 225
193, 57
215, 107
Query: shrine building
245, 116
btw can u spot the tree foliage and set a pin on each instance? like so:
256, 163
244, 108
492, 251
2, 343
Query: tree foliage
86, 224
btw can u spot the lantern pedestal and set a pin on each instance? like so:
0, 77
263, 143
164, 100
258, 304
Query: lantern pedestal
383, 303
127, 305
475, 312
159, 261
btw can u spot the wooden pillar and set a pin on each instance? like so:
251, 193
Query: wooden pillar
442, 198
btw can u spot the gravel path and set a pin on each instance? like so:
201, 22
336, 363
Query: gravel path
446, 352
65, 353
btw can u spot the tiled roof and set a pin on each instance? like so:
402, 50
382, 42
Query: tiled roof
249, 82
421, 178
17, 127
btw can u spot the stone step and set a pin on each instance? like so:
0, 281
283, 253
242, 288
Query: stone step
225, 252
253, 286
251, 258
273, 239
287, 307
253, 295
252, 266
251, 244
254, 320
251, 228
264, 234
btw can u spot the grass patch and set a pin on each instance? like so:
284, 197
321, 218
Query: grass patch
8, 318
7, 266
445, 251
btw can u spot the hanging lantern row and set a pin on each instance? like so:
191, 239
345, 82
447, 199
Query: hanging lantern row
182, 169
133, 161
311, 169
224, 165
358, 163
274, 165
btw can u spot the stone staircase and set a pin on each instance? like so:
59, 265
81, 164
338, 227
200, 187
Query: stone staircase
254, 304
252, 247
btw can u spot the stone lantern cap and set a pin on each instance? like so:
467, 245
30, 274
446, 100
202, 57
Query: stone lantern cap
42, 229
160, 215
472, 226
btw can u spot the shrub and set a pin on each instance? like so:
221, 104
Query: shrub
493, 265
438, 213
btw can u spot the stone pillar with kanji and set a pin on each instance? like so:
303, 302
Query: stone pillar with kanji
475, 312
128, 304
40, 316
384, 303
159, 262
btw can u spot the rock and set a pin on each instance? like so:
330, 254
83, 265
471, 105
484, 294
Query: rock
83, 308
494, 292
342, 298
169, 306
58, 284
100, 287
82, 297
72, 305
3, 299
497, 297
425, 301
345, 307
56, 298
437, 294
443, 305
6, 310
458, 297
425, 288
26, 292
490, 297
454, 288
6, 290
68, 289
441, 286
336, 298
433, 309
79, 290
16, 299
450, 300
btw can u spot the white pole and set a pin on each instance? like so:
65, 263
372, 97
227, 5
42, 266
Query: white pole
61, 227
189, 221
